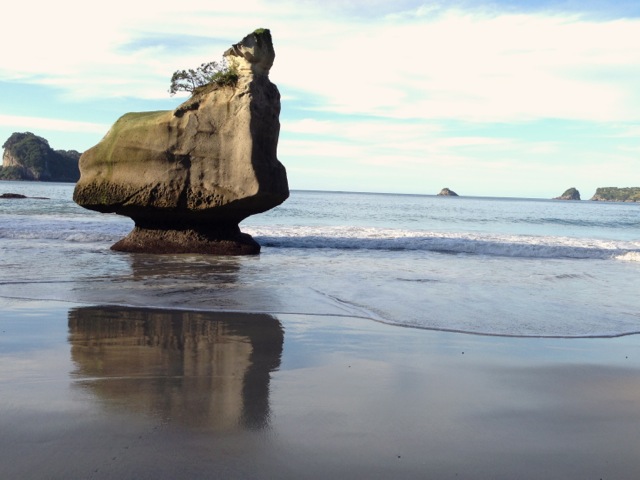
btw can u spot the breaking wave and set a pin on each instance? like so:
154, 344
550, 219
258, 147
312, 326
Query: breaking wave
356, 238
349, 238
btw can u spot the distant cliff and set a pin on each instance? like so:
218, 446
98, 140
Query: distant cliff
29, 157
615, 194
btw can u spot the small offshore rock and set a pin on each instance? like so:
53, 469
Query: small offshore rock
12, 195
569, 194
19, 196
445, 192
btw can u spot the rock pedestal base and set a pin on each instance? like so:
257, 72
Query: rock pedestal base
187, 240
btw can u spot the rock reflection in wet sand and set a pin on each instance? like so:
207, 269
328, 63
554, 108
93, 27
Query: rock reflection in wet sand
201, 369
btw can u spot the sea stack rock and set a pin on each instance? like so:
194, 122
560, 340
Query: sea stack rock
570, 194
29, 157
445, 192
188, 177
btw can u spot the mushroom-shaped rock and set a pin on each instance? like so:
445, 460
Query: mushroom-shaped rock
188, 177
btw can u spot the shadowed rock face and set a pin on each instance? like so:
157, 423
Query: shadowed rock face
188, 177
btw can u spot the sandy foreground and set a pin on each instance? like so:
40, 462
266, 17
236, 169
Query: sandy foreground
89, 392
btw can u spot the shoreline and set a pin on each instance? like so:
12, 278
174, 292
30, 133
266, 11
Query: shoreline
119, 392
310, 316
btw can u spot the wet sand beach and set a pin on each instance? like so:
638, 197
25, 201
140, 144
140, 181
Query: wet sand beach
97, 392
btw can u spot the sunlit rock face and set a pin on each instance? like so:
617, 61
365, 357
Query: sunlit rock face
188, 177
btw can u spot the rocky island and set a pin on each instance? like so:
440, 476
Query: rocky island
569, 194
188, 177
616, 194
445, 192
29, 157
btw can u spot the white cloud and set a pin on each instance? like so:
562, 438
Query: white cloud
627, 131
392, 90
422, 64
362, 130
476, 67
54, 124
321, 149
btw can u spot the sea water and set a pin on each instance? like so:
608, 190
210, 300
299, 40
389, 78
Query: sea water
497, 266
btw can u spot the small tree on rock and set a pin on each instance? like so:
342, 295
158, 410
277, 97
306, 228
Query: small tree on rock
212, 72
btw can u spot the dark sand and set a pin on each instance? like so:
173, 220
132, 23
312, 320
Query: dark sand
95, 393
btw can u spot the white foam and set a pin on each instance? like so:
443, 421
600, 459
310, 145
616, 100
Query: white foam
358, 238
629, 256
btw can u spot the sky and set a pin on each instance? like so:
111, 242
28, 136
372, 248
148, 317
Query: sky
488, 98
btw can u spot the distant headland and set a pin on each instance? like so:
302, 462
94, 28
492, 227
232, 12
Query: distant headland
605, 194
29, 157
616, 194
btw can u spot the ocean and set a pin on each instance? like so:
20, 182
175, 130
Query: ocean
491, 266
